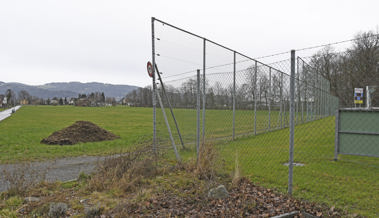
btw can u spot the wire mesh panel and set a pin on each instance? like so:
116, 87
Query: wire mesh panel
245, 109
316, 175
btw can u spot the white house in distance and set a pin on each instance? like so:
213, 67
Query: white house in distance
3, 101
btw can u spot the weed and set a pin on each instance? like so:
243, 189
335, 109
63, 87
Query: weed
125, 171
14, 202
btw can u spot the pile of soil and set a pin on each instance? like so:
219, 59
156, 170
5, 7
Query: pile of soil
80, 131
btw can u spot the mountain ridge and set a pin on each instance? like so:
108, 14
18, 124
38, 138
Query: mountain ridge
68, 89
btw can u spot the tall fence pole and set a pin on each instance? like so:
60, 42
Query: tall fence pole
292, 124
154, 88
281, 100
204, 93
269, 101
255, 97
234, 95
336, 137
306, 93
198, 117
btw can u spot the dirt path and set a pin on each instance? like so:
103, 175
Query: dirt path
53, 170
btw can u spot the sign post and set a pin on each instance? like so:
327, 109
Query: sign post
358, 96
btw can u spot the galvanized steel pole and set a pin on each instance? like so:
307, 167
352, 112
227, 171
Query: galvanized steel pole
234, 95
269, 101
336, 137
281, 100
292, 124
198, 117
154, 87
204, 93
255, 98
168, 128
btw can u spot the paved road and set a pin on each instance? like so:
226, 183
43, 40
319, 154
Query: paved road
63, 169
7, 113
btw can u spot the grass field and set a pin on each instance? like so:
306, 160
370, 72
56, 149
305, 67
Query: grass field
350, 183
20, 134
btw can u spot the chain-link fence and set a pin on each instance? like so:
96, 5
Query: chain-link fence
214, 95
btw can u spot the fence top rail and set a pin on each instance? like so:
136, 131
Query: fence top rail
215, 43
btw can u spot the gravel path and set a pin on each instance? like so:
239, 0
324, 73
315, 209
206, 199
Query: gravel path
64, 169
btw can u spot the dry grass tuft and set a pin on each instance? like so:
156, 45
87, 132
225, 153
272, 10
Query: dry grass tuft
126, 171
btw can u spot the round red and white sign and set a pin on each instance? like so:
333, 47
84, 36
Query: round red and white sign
150, 69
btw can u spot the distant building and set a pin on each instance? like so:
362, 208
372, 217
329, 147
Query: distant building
54, 102
3, 101
82, 102
24, 102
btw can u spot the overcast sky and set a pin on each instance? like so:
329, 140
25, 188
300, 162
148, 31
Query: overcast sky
109, 41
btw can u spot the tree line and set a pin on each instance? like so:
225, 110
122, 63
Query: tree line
10, 98
357, 67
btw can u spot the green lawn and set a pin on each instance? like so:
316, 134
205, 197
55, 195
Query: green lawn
20, 134
352, 183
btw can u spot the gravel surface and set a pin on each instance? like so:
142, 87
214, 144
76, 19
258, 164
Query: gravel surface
64, 169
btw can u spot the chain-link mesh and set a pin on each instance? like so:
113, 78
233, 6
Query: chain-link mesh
244, 111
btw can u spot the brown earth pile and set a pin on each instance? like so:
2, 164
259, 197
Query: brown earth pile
80, 131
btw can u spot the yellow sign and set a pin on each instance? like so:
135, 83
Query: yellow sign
358, 101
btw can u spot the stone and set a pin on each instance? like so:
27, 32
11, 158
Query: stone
83, 201
31, 199
57, 210
218, 193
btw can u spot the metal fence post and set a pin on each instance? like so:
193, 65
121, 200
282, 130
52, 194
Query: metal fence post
336, 139
204, 93
297, 108
234, 95
168, 128
269, 101
169, 105
255, 97
154, 88
198, 117
292, 125
281, 100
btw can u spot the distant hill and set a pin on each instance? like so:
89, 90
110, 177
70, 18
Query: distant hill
68, 89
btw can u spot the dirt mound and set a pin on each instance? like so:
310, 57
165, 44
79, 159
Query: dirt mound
80, 131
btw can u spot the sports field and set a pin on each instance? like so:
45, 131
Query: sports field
350, 183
